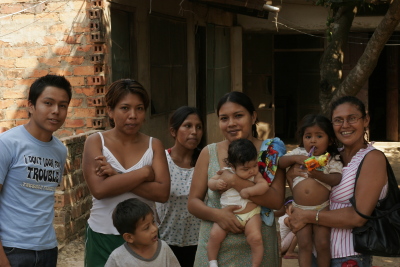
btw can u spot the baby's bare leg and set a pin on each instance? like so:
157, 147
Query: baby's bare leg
254, 239
322, 236
305, 242
217, 235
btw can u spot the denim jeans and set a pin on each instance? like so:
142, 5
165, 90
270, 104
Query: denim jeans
350, 261
31, 258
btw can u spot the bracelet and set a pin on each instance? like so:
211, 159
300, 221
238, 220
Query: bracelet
316, 217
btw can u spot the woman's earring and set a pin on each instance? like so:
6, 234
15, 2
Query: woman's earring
366, 137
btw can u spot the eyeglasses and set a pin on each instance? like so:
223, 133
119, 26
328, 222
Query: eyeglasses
350, 120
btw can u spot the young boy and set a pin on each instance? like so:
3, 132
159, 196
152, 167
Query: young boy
242, 160
31, 167
134, 220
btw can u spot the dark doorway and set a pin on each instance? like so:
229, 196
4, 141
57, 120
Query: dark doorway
201, 95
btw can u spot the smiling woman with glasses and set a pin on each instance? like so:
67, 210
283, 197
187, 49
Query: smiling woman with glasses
372, 184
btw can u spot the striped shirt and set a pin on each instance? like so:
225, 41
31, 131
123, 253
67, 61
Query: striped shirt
342, 239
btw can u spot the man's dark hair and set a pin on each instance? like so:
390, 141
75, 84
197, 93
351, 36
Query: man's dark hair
241, 151
128, 213
41, 83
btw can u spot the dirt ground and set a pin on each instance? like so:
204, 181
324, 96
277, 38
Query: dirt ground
72, 256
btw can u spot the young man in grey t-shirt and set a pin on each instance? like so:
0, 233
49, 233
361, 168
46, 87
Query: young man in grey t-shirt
31, 167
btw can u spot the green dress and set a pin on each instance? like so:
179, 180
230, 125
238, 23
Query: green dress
234, 251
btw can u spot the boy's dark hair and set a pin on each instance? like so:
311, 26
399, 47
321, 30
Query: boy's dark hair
41, 83
325, 124
120, 89
128, 213
176, 120
241, 151
240, 99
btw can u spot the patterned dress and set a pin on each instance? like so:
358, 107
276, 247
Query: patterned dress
235, 251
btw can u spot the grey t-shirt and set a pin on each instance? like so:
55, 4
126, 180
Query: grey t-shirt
124, 256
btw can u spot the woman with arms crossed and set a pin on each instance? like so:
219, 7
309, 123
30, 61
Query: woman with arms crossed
350, 122
121, 163
237, 119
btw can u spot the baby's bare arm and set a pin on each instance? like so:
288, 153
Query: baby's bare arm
260, 187
216, 184
288, 160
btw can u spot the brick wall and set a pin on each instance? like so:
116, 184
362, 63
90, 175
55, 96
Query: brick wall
72, 201
52, 37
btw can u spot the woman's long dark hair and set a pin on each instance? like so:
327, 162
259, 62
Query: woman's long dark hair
176, 120
325, 124
243, 100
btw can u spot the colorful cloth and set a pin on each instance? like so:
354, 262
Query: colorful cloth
270, 152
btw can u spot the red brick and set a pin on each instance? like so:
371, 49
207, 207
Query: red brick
22, 103
6, 103
84, 70
4, 44
16, 114
73, 60
96, 80
9, 9
55, 29
50, 40
7, 63
39, 73
62, 51
8, 84
19, 18
64, 133
84, 112
26, 82
21, 122
14, 73
7, 125
76, 102
26, 62
78, 131
38, 51
54, 61
74, 123
87, 91
13, 94
59, 71
76, 81
14, 52
84, 48
89, 123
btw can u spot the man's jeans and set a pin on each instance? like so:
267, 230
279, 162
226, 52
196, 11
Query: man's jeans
31, 258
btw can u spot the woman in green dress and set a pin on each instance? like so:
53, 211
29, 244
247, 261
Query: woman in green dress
237, 119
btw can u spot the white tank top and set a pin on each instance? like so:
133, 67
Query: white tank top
100, 219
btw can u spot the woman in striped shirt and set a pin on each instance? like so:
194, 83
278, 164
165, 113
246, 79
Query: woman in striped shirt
350, 122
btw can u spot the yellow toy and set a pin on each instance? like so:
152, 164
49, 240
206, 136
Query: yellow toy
313, 163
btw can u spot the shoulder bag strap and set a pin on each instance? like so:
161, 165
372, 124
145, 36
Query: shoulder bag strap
392, 185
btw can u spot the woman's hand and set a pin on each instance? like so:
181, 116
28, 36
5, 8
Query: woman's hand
294, 172
297, 219
228, 177
103, 168
228, 221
